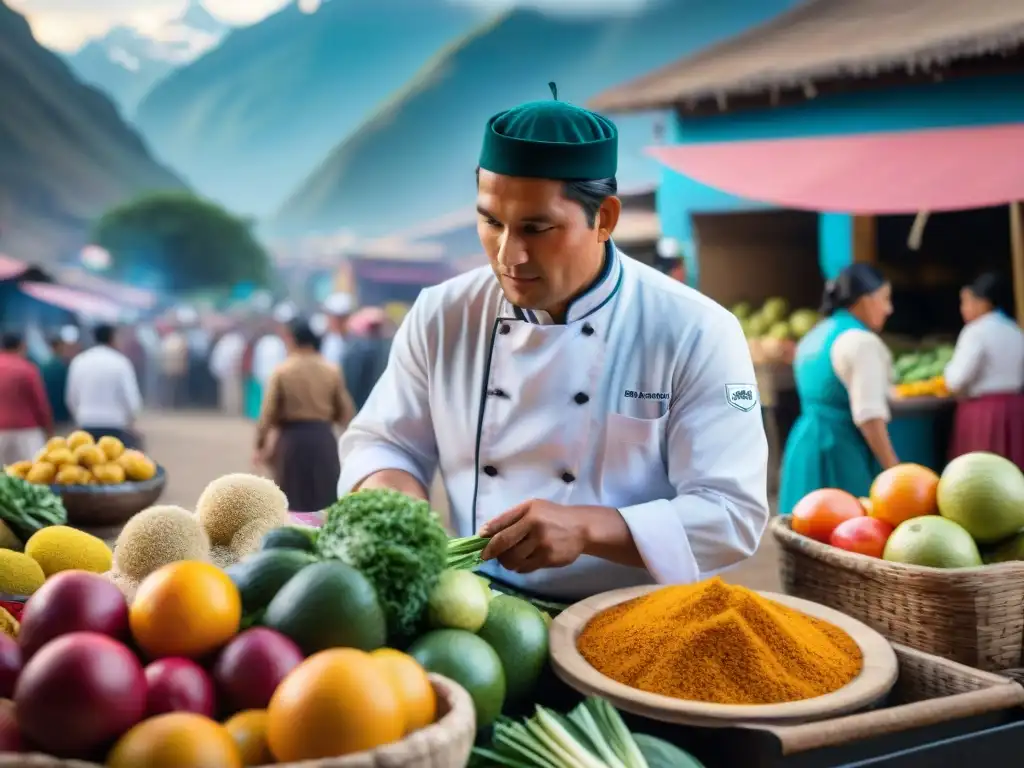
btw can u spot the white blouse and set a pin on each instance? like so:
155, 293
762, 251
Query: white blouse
988, 359
864, 364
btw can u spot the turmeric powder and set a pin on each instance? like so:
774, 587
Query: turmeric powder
719, 643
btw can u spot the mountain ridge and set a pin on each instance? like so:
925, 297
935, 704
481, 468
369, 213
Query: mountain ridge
65, 153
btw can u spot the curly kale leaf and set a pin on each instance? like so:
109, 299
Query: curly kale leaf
397, 542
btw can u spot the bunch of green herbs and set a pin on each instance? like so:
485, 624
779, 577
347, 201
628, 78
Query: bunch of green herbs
464, 554
26, 508
397, 543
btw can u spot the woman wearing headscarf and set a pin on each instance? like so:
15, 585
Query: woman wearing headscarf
843, 375
304, 401
987, 373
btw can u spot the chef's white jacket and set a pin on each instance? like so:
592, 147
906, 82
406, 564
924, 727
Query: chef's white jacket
644, 400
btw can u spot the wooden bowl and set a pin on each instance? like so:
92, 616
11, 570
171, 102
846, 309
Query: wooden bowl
873, 683
446, 743
102, 506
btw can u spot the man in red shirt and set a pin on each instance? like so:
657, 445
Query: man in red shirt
25, 417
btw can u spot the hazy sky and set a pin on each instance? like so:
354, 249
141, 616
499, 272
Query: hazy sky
66, 24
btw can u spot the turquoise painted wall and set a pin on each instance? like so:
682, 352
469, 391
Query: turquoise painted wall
985, 101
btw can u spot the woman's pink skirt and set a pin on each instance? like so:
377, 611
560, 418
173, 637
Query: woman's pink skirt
993, 423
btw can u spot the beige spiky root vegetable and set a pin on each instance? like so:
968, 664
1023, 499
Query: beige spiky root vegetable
153, 538
236, 511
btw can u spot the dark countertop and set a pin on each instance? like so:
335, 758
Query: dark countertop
912, 406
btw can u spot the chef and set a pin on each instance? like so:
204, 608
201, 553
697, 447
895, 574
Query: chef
598, 420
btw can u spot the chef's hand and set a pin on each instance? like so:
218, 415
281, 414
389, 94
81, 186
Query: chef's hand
536, 534
541, 534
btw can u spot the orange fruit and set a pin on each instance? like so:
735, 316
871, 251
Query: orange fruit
863, 535
818, 513
185, 609
416, 694
249, 731
334, 703
902, 492
176, 740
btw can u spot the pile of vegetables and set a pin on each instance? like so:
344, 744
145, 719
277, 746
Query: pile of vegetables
593, 735
26, 508
397, 543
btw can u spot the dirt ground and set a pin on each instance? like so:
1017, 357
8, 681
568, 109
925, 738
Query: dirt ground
197, 447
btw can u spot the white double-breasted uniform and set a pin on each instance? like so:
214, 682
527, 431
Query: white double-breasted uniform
644, 400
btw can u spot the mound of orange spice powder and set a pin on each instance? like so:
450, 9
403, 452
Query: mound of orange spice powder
719, 643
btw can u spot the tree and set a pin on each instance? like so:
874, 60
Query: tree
179, 242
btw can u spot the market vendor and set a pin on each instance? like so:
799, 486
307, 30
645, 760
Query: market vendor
598, 420
987, 373
843, 373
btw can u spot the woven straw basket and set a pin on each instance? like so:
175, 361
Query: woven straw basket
445, 744
971, 615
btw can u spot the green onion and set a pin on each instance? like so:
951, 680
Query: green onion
464, 553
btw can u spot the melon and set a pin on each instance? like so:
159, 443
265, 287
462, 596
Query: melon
178, 685
72, 601
983, 493
251, 666
79, 693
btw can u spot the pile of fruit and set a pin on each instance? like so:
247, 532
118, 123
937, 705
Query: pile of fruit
920, 373
79, 459
48, 552
772, 331
971, 515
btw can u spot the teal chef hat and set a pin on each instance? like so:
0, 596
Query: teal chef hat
551, 140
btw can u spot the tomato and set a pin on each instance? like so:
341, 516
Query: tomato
818, 513
863, 535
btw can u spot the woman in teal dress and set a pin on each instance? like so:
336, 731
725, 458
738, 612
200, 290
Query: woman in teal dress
843, 375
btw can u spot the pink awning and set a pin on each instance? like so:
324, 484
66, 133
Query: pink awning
72, 300
880, 173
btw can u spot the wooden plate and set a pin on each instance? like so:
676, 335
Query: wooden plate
875, 680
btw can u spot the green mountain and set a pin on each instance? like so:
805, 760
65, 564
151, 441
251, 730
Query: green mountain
65, 154
249, 120
414, 159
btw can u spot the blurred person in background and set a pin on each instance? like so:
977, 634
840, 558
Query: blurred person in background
843, 374
305, 400
338, 307
173, 369
25, 417
55, 373
226, 368
103, 392
270, 350
366, 352
987, 373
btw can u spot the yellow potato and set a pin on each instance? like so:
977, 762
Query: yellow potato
89, 455
18, 469
136, 466
56, 442
79, 438
42, 473
70, 474
60, 456
108, 474
111, 446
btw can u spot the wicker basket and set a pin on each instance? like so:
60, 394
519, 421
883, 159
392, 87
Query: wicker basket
104, 506
445, 744
972, 615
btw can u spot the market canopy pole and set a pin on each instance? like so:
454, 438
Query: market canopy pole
1017, 258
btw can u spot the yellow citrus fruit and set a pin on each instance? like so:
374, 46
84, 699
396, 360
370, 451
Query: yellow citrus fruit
188, 608
249, 731
410, 681
334, 703
176, 740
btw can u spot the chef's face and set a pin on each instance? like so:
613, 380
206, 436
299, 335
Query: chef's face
541, 247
